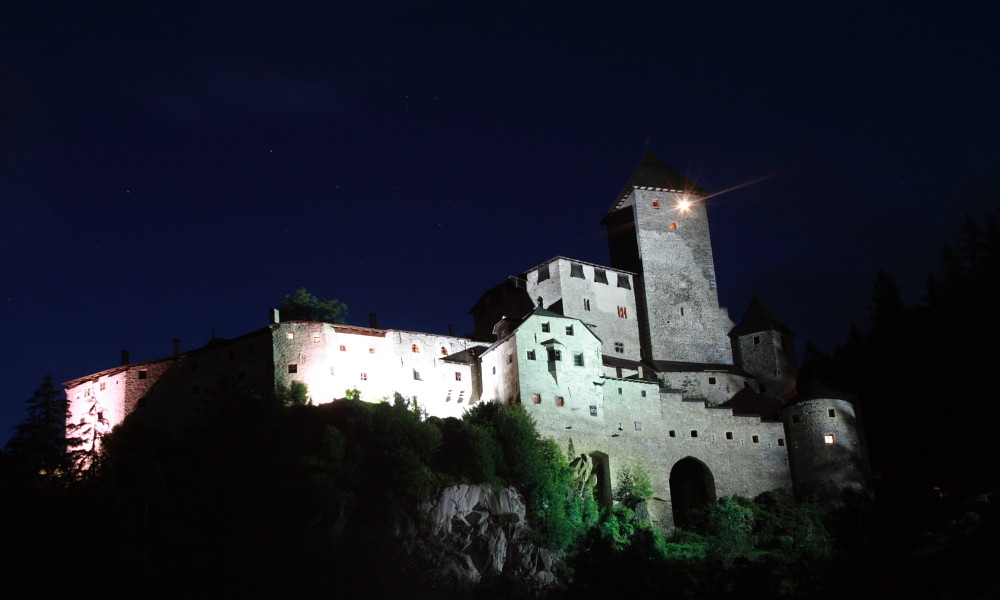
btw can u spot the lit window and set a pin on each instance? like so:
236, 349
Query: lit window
755, 439
560, 401
444, 351
620, 347
623, 281
543, 273
586, 304
828, 438
576, 270
536, 398
293, 368
623, 312
531, 355
545, 328
569, 330
415, 348
593, 410
343, 348
600, 276
290, 335
729, 435
371, 351
638, 425
458, 376
578, 360
315, 338
656, 204
364, 377
673, 225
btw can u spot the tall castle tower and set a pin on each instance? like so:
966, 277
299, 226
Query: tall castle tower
658, 229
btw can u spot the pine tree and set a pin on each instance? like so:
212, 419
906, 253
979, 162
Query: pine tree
303, 306
37, 450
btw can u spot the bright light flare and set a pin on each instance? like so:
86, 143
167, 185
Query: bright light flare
684, 205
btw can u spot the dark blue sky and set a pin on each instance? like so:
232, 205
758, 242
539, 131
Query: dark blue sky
170, 169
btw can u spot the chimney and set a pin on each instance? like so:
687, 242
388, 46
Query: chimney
124, 357
451, 329
373, 320
177, 347
275, 316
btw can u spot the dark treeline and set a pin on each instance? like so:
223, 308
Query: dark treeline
925, 373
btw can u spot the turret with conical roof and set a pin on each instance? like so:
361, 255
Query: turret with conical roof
765, 347
658, 229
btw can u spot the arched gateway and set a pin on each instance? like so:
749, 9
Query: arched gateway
691, 487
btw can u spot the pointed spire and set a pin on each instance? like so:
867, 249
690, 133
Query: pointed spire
759, 318
652, 172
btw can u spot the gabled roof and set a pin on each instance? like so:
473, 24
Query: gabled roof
759, 318
652, 172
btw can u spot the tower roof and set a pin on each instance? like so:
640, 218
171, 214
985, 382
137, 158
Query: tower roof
759, 318
652, 172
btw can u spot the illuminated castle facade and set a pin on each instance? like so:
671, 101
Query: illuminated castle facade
633, 364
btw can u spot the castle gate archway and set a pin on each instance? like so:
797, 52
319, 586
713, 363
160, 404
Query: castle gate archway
692, 486
602, 473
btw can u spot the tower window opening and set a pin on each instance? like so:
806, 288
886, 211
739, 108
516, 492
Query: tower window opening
290, 335
444, 351
831, 413
781, 441
593, 410
578, 360
656, 204
364, 377
620, 347
371, 351
672, 433
569, 330
755, 439
536, 398
143, 374
600, 276
458, 376
623, 281
555, 354
638, 425
623, 312
415, 349
315, 338
343, 348
756, 340
543, 273
545, 328
586, 304
576, 270
531, 355
560, 401
711, 381
293, 368
510, 358
729, 435
829, 438
643, 393
673, 225
694, 433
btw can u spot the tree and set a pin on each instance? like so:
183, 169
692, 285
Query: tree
303, 306
37, 450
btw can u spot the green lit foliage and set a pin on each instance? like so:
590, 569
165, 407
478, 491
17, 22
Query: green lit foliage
37, 450
295, 393
303, 306
634, 487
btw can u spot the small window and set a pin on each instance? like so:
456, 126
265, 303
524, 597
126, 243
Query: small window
494, 370
623, 281
831, 413
458, 376
531, 355
586, 304
315, 338
415, 349
796, 418
448, 397
619, 391
578, 360
694, 433
343, 348
672, 433
711, 381
682, 311
593, 410
371, 351
554, 354
756, 340
103, 385
510, 358
536, 398
622, 312
364, 377
293, 368
444, 351
643, 393
560, 401
143, 374
673, 225
828, 438
656, 204
545, 328
569, 330
600, 276
755, 439
638, 425
543, 273
781, 441
620, 347
461, 397
576, 270
729, 435
290, 335
416, 375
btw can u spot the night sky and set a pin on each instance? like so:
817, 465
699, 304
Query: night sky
170, 170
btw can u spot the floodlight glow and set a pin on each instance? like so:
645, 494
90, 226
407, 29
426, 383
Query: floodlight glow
683, 205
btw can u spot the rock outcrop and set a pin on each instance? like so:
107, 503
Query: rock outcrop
469, 531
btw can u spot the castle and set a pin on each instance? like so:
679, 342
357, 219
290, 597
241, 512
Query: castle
629, 365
